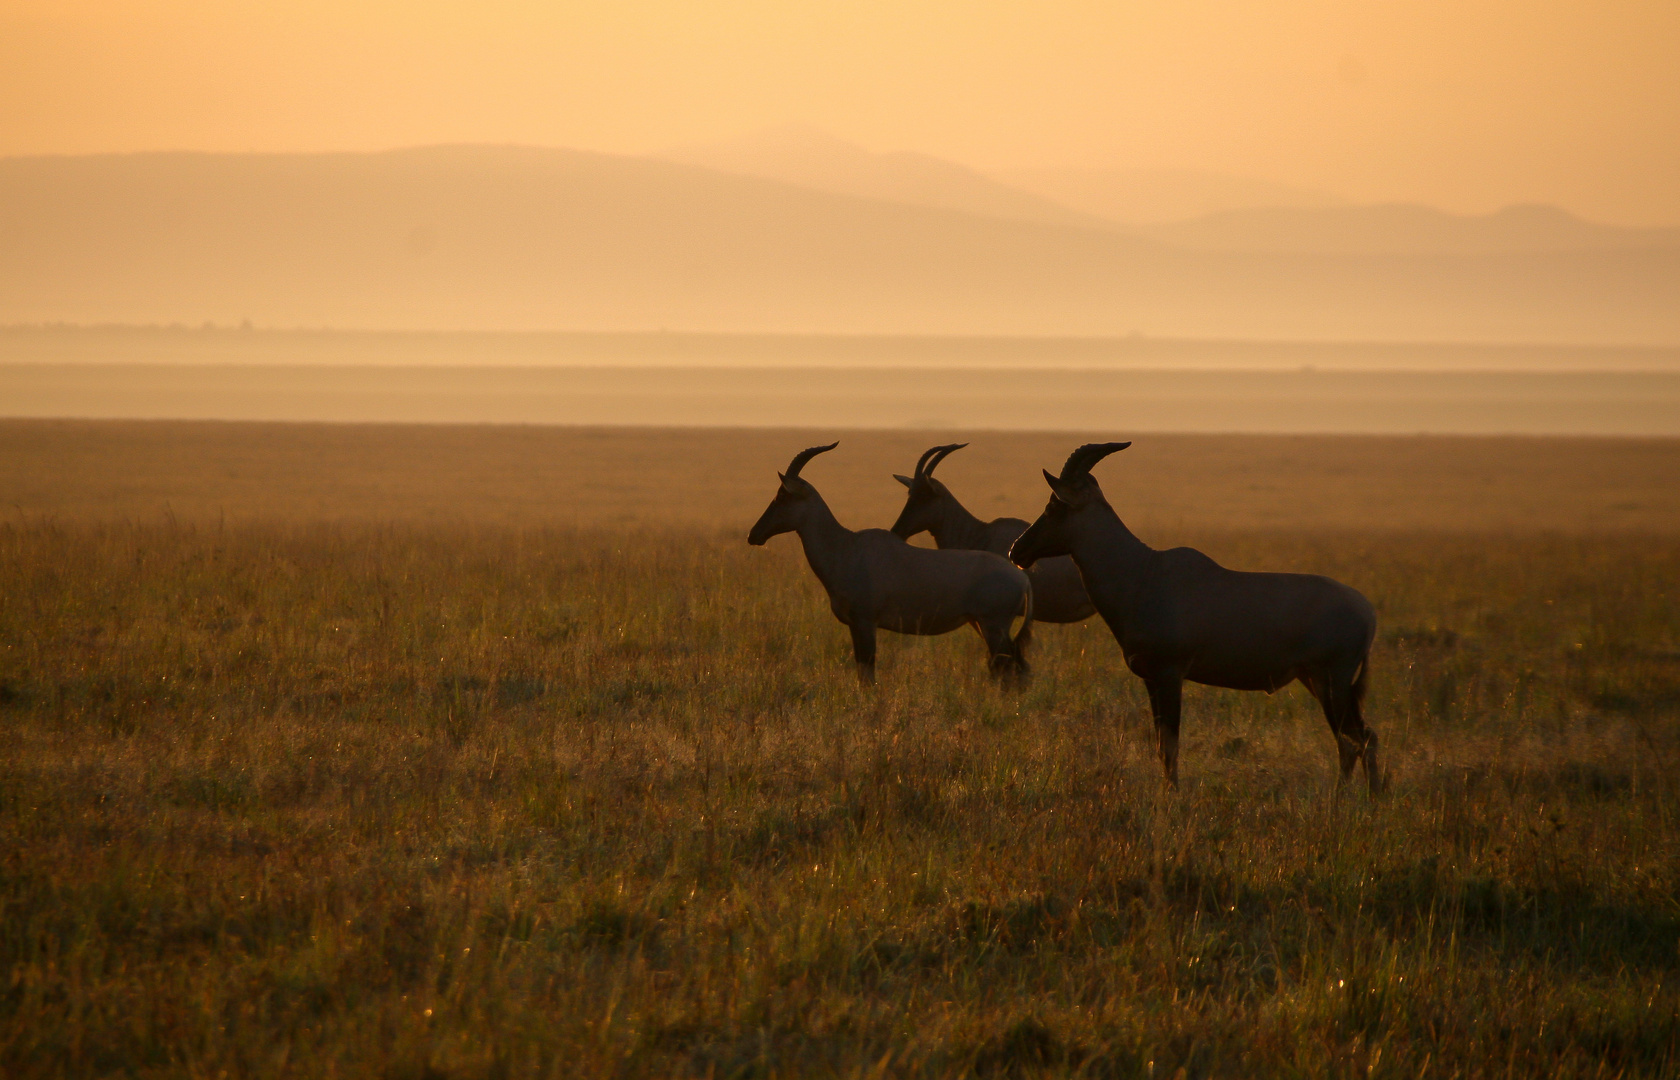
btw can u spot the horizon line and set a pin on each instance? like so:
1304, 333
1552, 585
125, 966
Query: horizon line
1134, 338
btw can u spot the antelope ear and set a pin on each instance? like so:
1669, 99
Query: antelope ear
1062, 491
905, 480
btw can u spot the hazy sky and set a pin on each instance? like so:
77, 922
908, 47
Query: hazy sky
1468, 104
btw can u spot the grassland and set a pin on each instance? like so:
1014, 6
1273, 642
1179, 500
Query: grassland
301, 793
100, 471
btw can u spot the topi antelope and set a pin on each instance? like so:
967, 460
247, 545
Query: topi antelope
877, 581
1058, 594
1179, 615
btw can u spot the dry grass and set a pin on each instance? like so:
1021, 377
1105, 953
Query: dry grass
435, 800
73, 470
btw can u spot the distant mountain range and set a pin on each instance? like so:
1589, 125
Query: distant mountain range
811, 158
1178, 207
1400, 228
826, 239
1156, 196
1103, 198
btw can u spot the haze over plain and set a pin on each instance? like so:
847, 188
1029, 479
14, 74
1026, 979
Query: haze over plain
476, 237
1306, 170
1482, 175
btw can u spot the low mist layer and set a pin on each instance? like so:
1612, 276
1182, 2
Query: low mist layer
212, 344
1536, 403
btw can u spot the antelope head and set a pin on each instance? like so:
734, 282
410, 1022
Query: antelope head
924, 505
793, 499
1072, 495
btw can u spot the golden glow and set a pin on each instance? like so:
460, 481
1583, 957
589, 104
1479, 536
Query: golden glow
1469, 105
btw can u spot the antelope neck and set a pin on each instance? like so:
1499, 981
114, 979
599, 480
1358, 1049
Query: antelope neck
958, 528
825, 540
1104, 542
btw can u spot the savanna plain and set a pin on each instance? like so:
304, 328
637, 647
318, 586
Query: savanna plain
496, 752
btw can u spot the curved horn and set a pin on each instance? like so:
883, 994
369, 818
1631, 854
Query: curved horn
1079, 462
803, 456
943, 452
921, 462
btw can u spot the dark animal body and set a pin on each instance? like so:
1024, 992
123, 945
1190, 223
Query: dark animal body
877, 581
1058, 593
1179, 615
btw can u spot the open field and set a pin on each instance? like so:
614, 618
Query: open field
518, 476
477, 752
1136, 384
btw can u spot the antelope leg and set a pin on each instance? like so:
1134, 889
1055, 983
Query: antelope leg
1166, 696
863, 651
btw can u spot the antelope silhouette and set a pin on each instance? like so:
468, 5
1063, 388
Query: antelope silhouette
1179, 615
1058, 594
876, 580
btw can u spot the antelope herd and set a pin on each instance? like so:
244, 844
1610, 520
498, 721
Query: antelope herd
876, 580
1176, 614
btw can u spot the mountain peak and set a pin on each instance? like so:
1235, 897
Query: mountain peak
811, 157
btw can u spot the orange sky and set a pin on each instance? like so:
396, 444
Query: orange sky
1469, 105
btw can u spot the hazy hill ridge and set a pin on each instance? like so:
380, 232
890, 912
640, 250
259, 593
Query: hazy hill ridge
1179, 207
472, 237
1156, 196
1400, 228
811, 158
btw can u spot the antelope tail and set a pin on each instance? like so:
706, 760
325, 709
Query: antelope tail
1023, 637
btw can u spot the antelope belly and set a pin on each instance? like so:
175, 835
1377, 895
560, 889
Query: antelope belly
925, 625
1231, 677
